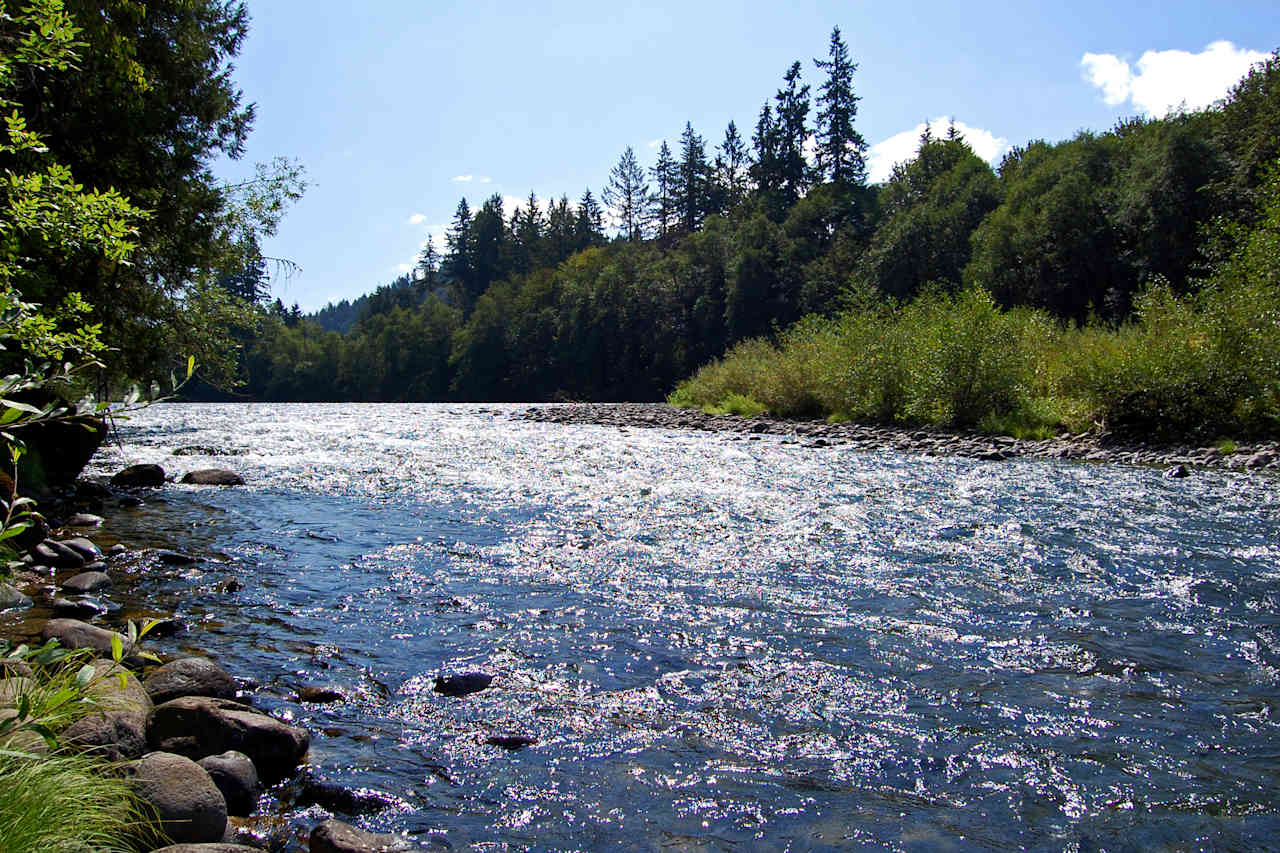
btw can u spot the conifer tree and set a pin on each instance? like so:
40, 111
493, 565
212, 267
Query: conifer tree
730, 170
764, 168
841, 149
588, 228
627, 195
792, 131
666, 176
693, 181
457, 264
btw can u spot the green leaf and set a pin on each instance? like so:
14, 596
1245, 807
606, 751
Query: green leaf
14, 529
117, 648
45, 732
9, 416
123, 678
191, 365
24, 706
85, 676
21, 407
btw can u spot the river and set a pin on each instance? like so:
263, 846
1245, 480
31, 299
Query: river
725, 642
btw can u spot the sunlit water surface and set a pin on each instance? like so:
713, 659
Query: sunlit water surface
730, 643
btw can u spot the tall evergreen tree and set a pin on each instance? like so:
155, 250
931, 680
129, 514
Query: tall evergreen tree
730, 170
792, 131
666, 176
588, 228
841, 149
693, 181
429, 265
526, 236
627, 195
489, 246
457, 266
765, 166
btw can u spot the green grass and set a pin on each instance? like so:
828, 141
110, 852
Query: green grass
1227, 446
737, 404
64, 804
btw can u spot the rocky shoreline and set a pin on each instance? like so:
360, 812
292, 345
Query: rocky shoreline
185, 732
1179, 460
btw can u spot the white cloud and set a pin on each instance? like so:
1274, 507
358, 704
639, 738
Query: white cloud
485, 179
401, 269
1167, 79
510, 203
463, 179
903, 146
654, 143
417, 219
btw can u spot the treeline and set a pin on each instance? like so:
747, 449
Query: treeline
712, 248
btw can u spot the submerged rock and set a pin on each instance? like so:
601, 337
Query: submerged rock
320, 695
84, 519
463, 683
511, 741
87, 582
139, 476
1177, 472
334, 836
84, 547
213, 477
79, 608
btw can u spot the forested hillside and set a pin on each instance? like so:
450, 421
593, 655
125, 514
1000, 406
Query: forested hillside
623, 294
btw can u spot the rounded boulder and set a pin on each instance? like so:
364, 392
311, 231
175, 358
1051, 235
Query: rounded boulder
189, 806
190, 677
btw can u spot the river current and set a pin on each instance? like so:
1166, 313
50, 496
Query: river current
722, 642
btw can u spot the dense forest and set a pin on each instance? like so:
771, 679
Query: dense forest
711, 246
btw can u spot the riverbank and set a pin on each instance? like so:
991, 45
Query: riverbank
1086, 447
211, 768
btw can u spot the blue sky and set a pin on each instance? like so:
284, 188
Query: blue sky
402, 108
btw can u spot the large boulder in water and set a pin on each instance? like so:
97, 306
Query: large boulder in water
212, 477
189, 806
139, 476
234, 774
200, 726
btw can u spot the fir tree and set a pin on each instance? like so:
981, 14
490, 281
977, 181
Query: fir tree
730, 170
841, 149
627, 194
666, 176
792, 131
693, 181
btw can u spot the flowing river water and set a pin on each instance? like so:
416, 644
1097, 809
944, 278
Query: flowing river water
724, 642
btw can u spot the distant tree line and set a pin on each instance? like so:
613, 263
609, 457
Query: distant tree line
622, 296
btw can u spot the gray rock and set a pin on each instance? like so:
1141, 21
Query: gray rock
189, 806
508, 740
84, 519
117, 549
174, 558
234, 774
1177, 472
83, 547
87, 582
56, 554
11, 597
110, 735
78, 608
199, 726
190, 677
213, 477
334, 797
320, 695
334, 836
74, 634
462, 683
139, 476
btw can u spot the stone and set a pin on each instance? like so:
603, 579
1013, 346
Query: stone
56, 554
110, 695
190, 677
139, 476
117, 550
199, 726
234, 774
87, 582
213, 477
74, 634
1177, 472
78, 608
334, 836
110, 735
320, 695
189, 806
174, 558
11, 597
463, 683
511, 741
84, 519
84, 547
334, 797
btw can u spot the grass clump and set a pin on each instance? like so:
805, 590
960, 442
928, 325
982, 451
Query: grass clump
63, 804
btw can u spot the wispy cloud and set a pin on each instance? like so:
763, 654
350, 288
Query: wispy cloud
654, 143
416, 219
466, 179
903, 146
1167, 79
